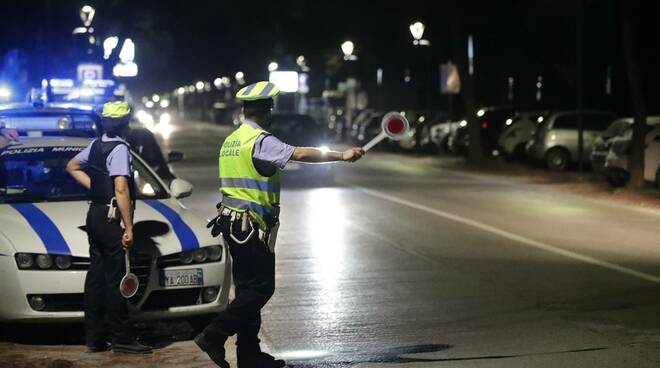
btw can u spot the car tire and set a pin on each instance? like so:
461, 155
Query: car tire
557, 159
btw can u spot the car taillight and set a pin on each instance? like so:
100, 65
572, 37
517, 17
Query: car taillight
484, 125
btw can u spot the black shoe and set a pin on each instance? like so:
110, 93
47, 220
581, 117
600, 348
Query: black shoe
216, 353
98, 348
131, 348
259, 360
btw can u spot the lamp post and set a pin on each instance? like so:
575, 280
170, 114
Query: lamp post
347, 48
417, 32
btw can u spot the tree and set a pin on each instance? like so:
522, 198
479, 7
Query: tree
636, 94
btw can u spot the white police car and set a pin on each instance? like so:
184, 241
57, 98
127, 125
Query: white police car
183, 271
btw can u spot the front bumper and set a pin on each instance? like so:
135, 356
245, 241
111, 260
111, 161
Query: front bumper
63, 293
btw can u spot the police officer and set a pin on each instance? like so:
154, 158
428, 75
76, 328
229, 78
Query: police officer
104, 167
250, 161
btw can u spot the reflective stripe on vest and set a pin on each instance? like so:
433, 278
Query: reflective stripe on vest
250, 184
242, 186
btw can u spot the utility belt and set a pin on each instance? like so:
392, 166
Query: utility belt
235, 218
113, 209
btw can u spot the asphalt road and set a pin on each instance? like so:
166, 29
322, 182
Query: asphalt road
401, 263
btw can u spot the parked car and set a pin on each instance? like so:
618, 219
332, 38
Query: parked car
44, 252
517, 132
419, 137
652, 158
439, 133
609, 156
458, 141
491, 122
612, 150
555, 140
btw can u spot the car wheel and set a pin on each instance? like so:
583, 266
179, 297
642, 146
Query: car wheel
557, 159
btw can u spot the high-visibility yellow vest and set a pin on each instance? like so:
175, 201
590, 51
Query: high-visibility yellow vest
242, 187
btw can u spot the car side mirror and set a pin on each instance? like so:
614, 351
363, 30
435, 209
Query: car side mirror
174, 156
181, 188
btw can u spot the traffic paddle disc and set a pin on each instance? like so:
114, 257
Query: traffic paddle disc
129, 284
394, 126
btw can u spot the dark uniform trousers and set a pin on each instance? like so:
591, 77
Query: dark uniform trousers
103, 301
253, 269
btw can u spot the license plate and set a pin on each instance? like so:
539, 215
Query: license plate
191, 277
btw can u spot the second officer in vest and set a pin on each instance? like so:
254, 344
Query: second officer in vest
104, 167
250, 162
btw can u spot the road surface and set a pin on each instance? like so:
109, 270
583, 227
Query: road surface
402, 263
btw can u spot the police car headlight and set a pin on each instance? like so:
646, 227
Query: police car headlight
199, 255
63, 262
44, 261
24, 260
214, 253
186, 257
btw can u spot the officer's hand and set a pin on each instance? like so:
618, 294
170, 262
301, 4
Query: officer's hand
10, 134
127, 239
352, 155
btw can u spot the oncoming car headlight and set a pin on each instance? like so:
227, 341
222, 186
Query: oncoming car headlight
45, 262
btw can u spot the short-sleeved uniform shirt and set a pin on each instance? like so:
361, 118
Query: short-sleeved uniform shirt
118, 162
269, 152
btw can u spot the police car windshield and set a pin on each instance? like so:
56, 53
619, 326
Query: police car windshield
38, 174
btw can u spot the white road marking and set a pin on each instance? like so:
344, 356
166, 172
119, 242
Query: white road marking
505, 234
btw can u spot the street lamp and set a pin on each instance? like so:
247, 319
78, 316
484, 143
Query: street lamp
87, 15
273, 66
417, 31
240, 78
347, 48
200, 86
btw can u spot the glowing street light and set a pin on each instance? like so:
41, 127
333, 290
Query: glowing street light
217, 82
181, 90
109, 44
127, 52
155, 98
347, 48
87, 15
5, 92
273, 66
200, 86
417, 31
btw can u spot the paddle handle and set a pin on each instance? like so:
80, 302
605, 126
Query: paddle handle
128, 262
374, 141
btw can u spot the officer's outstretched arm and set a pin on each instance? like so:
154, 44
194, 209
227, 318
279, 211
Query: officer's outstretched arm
123, 196
315, 155
75, 169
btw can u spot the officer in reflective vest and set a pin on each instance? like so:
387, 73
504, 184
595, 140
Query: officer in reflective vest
250, 160
104, 167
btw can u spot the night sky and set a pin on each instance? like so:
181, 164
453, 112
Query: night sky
180, 42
